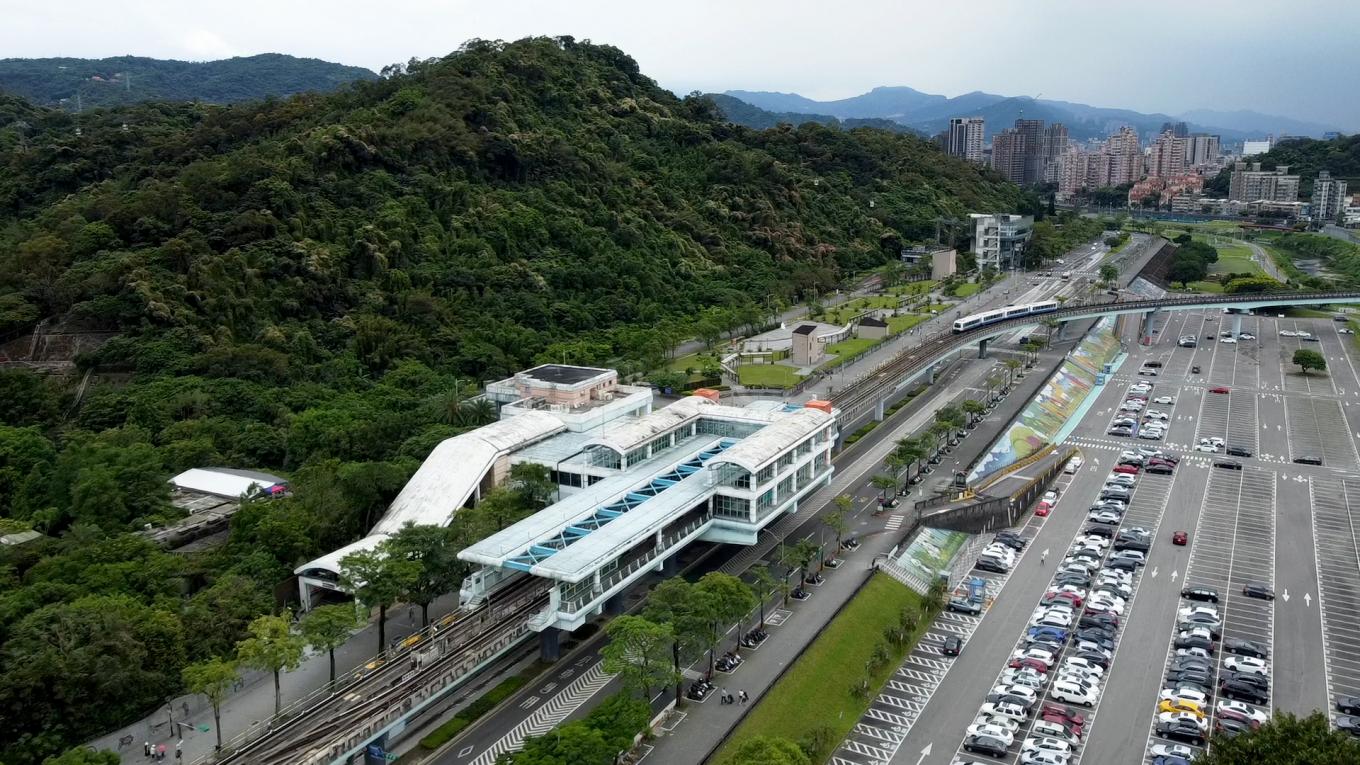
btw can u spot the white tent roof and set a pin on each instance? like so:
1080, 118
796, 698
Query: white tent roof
762, 447
223, 483
641, 430
331, 561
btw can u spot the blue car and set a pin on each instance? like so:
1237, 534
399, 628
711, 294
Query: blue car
1054, 634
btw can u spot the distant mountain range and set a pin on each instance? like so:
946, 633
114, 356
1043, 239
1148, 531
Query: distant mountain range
743, 113
929, 113
84, 83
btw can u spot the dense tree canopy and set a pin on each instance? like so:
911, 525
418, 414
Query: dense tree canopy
1285, 740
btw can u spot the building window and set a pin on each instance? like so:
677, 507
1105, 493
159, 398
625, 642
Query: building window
564, 478
659, 445
731, 507
636, 456
765, 476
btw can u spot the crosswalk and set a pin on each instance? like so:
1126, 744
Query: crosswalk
895, 521
548, 716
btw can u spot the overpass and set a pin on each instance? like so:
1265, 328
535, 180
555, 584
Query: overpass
873, 392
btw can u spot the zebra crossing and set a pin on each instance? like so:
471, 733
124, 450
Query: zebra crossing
548, 716
895, 521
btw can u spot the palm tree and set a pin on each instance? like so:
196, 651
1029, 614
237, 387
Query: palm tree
884, 483
974, 409
1011, 366
895, 463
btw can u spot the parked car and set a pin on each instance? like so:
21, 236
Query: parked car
1180, 538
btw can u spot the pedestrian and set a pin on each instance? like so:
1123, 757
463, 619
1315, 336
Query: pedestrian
160, 752
146, 748
179, 750
744, 697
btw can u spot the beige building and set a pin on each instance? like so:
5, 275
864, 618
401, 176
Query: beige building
871, 328
1329, 199
1167, 156
1254, 184
965, 138
807, 350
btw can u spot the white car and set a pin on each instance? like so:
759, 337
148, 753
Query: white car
1155, 414
995, 731
1249, 664
1206, 448
1041, 654
1195, 651
1004, 723
1044, 757
1025, 677
1170, 717
1172, 750
1083, 665
1256, 715
1164, 400
1246, 336
1070, 692
1288, 333
1073, 465
1053, 730
1035, 743
1123, 479
1002, 709
1301, 333
1184, 694
1228, 341
1020, 691
1051, 496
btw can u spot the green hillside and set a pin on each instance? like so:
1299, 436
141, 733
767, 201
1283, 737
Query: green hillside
312, 285
84, 83
1306, 156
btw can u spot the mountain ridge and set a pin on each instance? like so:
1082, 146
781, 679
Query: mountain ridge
930, 113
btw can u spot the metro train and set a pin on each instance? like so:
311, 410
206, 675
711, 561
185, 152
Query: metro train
1002, 314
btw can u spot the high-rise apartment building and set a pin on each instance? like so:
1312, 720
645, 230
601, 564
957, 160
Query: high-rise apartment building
1177, 129
1022, 153
999, 240
1255, 184
1167, 156
1251, 148
1202, 150
1126, 157
965, 138
1329, 199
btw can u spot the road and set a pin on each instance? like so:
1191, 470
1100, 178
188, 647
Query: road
1282, 524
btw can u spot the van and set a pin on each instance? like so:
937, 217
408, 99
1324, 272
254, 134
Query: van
1308, 460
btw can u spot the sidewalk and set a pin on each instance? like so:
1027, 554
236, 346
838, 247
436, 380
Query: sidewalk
253, 704
698, 728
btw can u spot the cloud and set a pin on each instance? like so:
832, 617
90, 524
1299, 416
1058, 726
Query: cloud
204, 45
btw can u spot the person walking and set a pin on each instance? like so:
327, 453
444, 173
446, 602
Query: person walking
1043, 556
744, 697
146, 749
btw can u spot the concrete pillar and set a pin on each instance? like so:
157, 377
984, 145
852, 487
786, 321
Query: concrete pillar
549, 644
879, 411
930, 376
1062, 330
614, 605
1145, 328
982, 348
671, 566
1237, 325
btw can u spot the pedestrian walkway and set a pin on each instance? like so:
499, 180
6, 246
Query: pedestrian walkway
252, 704
698, 729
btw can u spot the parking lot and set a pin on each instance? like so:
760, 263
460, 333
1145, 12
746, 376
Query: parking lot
1235, 521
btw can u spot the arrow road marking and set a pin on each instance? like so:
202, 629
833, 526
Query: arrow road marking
1154, 572
925, 753
1174, 574
1285, 595
1307, 599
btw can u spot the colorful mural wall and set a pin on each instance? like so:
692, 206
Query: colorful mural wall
1056, 403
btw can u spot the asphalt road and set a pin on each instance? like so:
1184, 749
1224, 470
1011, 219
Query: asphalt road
1287, 525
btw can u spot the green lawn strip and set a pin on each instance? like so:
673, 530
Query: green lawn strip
816, 692
846, 350
899, 324
1205, 286
914, 288
767, 375
488, 701
967, 289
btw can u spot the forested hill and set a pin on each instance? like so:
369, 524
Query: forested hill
743, 113
83, 83
309, 286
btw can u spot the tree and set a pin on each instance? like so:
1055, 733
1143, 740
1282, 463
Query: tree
885, 484
769, 750
801, 555
1109, 273
674, 603
1285, 740
1186, 271
328, 627
534, 483
84, 756
1309, 359
935, 596
272, 647
638, 650
730, 601
378, 579
974, 409
1011, 366
435, 553
213, 679
837, 522
762, 583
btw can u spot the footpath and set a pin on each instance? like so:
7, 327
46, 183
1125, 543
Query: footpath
697, 729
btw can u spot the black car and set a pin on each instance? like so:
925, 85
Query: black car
1196, 675
1181, 730
1099, 530
1194, 641
1207, 594
1013, 541
1348, 704
1160, 468
1238, 451
1141, 545
1123, 564
1308, 460
1248, 648
1259, 682
1258, 590
992, 747
1349, 723
952, 645
1133, 460
1195, 369
1228, 464
1095, 657
1104, 621
1230, 727
1240, 691
988, 564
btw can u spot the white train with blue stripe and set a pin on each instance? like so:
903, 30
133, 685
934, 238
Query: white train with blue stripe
1003, 314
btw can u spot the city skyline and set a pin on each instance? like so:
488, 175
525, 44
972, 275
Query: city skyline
850, 54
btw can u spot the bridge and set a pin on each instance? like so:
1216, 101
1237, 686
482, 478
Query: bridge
872, 393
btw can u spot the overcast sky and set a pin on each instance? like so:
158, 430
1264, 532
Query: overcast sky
1297, 58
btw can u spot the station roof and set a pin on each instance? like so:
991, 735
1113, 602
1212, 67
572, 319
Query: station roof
331, 561
760, 448
224, 482
641, 430
455, 468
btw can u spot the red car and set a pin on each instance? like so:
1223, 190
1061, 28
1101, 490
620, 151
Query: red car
1129, 469
1063, 716
1034, 664
1042, 509
1219, 389
1062, 596
1180, 538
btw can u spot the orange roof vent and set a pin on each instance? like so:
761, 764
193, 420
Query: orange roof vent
708, 393
820, 404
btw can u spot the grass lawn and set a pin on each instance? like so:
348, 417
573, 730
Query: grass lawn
846, 349
1211, 287
768, 375
914, 288
1235, 259
816, 692
898, 324
967, 289
680, 363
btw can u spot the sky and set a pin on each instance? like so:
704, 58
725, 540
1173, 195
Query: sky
1296, 59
